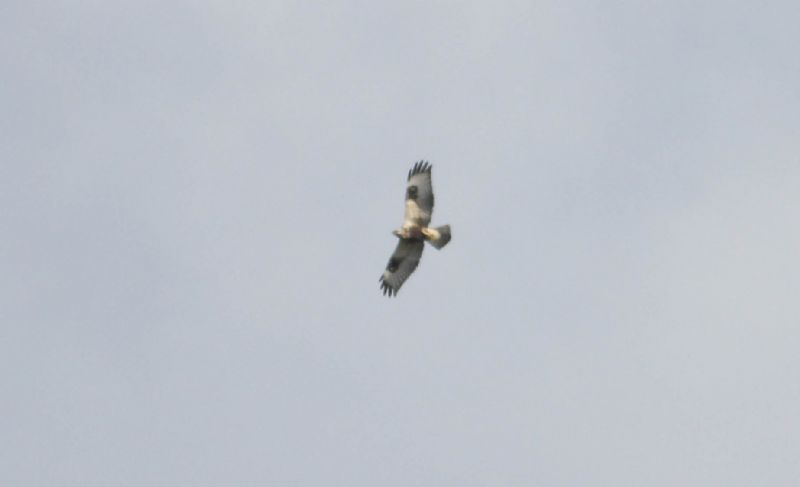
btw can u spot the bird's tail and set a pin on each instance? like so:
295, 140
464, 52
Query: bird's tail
438, 237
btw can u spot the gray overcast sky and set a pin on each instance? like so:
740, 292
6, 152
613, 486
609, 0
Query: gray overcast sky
197, 200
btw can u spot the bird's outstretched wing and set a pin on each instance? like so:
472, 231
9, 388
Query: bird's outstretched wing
419, 194
402, 263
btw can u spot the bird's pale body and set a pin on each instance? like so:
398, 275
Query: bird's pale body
415, 216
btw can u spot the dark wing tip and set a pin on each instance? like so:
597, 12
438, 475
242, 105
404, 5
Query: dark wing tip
387, 289
420, 167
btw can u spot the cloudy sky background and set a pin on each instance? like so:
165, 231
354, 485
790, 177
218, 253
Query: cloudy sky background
197, 200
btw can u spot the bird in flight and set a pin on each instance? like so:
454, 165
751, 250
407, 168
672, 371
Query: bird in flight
415, 231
